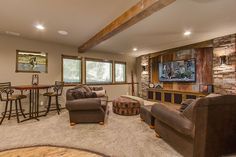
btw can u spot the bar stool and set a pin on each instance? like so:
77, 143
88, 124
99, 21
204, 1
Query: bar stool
57, 91
6, 95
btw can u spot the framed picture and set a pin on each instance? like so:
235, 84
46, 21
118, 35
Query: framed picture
206, 88
31, 62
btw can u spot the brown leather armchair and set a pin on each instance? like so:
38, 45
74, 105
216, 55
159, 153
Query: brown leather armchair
206, 129
85, 110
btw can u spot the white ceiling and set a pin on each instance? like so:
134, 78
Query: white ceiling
81, 18
207, 19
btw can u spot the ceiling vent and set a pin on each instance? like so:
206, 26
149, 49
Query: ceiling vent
12, 33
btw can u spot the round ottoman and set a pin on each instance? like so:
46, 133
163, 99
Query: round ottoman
125, 106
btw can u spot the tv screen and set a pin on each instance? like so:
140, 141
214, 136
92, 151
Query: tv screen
178, 71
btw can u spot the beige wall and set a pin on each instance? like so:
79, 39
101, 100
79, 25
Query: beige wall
9, 44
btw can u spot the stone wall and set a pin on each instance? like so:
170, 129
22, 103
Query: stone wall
145, 75
210, 69
224, 75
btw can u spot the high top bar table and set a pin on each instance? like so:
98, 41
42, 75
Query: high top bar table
33, 99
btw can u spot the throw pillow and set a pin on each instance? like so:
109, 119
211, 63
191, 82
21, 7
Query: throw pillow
78, 94
97, 88
100, 93
185, 104
90, 95
80, 88
87, 88
69, 94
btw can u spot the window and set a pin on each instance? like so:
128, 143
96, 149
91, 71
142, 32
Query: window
98, 71
120, 72
71, 70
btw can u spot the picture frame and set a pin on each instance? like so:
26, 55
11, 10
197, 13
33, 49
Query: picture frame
206, 88
31, 62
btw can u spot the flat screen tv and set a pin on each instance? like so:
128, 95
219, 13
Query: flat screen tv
178, 71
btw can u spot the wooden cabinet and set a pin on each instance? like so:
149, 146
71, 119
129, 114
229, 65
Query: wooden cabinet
158, 96
172, 96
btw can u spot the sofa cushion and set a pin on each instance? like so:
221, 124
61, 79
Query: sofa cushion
173, 119
100, 93
84, 104
212, 95
185, 103
146, 115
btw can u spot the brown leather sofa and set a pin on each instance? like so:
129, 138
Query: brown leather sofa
206, 129
86, 110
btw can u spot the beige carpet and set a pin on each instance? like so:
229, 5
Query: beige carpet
121, 136
47, 151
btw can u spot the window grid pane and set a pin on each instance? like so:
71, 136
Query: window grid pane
98, 72
71, 70
120, 72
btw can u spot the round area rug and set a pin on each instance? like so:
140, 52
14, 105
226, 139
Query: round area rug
48, 151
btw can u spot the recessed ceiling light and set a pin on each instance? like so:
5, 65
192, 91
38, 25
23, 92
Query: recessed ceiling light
135, 49
62, 32
39, 27
187, 33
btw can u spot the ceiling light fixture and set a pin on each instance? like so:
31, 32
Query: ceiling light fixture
40, 27
62, 32
135, 49
187, 33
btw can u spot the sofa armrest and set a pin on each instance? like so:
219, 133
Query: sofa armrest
173, 119
84, 104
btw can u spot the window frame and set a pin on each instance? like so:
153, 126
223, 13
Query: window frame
98, 60
120, 62
62, 68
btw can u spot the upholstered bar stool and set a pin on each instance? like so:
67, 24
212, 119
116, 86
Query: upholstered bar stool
6, 95
57, 91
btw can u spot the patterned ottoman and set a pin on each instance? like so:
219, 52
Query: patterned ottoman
125, 106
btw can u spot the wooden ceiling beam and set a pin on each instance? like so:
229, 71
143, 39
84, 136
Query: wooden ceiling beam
138, 12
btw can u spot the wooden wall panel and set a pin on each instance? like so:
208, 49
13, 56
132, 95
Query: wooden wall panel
154, 71
167, 57
183, 86
168, 86
203, 58
204, 63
